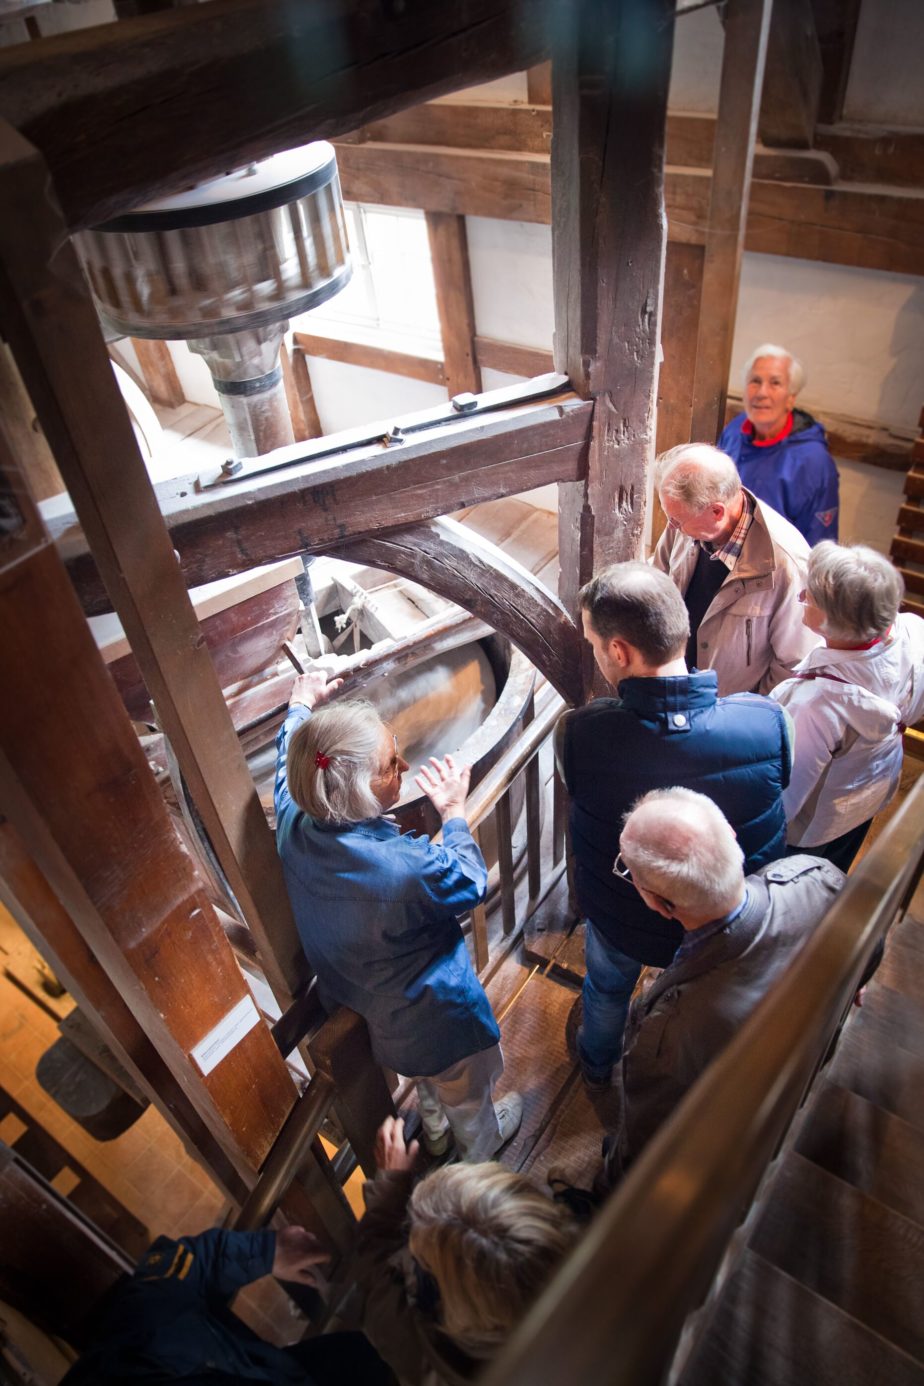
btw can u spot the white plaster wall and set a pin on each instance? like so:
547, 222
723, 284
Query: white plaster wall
699, 40
194, 375
870, 498
511, 264
512, 87
885, 85
860, 334
349, 396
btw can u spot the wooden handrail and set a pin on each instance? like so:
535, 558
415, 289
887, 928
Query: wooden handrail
613, 1314
289, 1152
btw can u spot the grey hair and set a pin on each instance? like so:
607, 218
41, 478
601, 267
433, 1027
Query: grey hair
684, 848
857, 590
797, 376
697, 475
639, 604
349, 734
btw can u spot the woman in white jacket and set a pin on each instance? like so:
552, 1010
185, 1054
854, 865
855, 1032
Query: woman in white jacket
850, 700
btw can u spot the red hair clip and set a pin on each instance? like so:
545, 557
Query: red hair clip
321, 760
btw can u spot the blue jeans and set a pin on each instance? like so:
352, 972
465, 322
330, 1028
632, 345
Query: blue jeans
608, 986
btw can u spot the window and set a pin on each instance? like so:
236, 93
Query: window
391, 299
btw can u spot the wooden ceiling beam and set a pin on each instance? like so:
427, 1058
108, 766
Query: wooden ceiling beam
843, 224
125, 112
313, 506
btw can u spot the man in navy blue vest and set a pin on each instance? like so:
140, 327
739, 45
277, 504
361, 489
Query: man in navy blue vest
667, 727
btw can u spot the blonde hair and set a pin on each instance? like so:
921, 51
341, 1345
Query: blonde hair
491, 1241
697, 475
349, 735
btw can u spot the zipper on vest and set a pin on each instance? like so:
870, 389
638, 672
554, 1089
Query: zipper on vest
747, 635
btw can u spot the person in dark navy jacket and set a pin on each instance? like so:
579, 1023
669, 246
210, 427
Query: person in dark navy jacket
780, 451
377, 911
172, 1321
667, 727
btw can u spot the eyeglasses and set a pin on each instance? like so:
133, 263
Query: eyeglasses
393, 763
621, 870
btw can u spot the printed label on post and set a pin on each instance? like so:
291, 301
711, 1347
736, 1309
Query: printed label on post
229, 1031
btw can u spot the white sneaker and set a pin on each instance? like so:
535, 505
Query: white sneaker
509, 1113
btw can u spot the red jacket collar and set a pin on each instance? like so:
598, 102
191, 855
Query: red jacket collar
747, 428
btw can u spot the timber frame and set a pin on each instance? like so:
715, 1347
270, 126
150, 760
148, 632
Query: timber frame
102, 119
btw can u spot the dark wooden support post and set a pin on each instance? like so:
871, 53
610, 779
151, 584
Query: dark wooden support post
792, 85
453, 281
609, 83
341, 1050
746, 28
51, 323
683, 287
159, 372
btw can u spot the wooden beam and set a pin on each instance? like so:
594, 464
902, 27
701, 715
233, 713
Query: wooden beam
299, 395
92, 818
127, 111
873, 154
792, 84
473, 125
683, 287
460, 565
29, 898
836, 26
746, 31
453, 283
610, 84
490, 183
312, 506
539, 84
846, 225
26, 437
159, 372
512, 358
51, 323
376, 358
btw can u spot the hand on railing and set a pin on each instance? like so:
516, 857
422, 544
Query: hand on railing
390, 1150
313, 687
445, 786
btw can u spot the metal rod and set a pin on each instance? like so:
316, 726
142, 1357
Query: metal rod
288, 1154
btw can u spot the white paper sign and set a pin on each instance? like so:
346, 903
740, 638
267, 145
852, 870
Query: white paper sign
229, 1031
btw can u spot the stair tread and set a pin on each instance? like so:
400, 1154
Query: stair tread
768, 1330
848, 1248
891, 1018
867, 1146
902, 968
886, 1075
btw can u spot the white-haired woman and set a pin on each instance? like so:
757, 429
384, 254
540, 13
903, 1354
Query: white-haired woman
850, 700
780, 451
377, 912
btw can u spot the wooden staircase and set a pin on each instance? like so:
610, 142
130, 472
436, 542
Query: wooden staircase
829, 1290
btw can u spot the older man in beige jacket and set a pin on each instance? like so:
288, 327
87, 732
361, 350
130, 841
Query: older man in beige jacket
740, 567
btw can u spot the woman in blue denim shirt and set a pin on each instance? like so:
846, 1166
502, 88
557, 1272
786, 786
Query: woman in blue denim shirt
377, 912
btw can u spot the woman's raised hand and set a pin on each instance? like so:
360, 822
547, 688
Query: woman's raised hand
313, 687
445, 786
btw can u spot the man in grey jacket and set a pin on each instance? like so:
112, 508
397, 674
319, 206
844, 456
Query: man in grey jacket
739, 566
740, 934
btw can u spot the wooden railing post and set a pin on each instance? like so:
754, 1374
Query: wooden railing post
341, 1052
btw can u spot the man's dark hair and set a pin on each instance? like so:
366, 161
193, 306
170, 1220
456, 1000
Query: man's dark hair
641, 605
